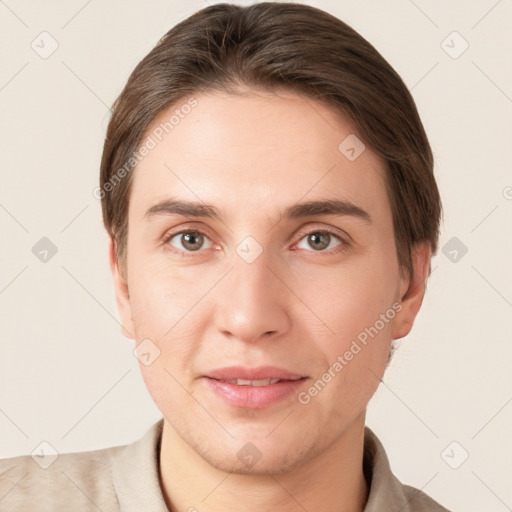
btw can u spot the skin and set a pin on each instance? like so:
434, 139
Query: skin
296, 306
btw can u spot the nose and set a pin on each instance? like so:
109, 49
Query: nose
252, 303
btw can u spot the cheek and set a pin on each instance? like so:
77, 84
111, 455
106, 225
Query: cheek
169, 307
355, 357
358, 304
162, 309
159, 296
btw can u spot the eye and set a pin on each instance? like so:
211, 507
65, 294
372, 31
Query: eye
190, 240
322, 239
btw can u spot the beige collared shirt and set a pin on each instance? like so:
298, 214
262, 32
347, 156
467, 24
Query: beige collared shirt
126, 479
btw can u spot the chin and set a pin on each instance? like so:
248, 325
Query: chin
259, 457
273, 465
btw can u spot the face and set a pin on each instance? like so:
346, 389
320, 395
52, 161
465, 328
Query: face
258, 284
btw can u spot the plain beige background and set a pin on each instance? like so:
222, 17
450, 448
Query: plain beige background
68, 377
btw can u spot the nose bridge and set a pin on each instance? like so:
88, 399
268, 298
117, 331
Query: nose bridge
251, 300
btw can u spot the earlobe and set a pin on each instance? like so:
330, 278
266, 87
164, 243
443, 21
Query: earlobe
413, 291
121, 292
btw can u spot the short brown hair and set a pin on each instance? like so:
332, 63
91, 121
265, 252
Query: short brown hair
267, 46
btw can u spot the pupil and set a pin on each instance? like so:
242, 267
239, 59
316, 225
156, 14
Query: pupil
191, 236
315, 238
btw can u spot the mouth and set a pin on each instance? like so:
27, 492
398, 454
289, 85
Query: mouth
253, 388
258, 382
261, 376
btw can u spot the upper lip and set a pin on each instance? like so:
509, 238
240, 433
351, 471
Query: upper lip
259, 373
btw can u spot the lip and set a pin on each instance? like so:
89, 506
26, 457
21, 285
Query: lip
253, 397
261, 372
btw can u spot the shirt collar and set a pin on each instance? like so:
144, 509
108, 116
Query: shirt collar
136, 475
386, 491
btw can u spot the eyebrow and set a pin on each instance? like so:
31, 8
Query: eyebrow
338, 207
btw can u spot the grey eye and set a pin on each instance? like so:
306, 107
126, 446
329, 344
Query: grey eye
320, 240
189, 240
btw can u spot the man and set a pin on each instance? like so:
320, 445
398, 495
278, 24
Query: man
269, 193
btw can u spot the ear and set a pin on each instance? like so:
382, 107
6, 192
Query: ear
412, 291
122, 293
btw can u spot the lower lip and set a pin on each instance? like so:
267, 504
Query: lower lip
254, 397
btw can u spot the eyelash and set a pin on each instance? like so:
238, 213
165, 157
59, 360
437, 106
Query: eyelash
340, 248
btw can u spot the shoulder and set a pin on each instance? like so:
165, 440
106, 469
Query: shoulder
386, 490
420, 502
109, 479
80, 481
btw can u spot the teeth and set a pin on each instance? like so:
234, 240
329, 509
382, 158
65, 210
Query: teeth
245, 382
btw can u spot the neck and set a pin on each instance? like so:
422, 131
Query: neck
333, 481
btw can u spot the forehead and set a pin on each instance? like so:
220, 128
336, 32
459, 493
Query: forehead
256, 151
